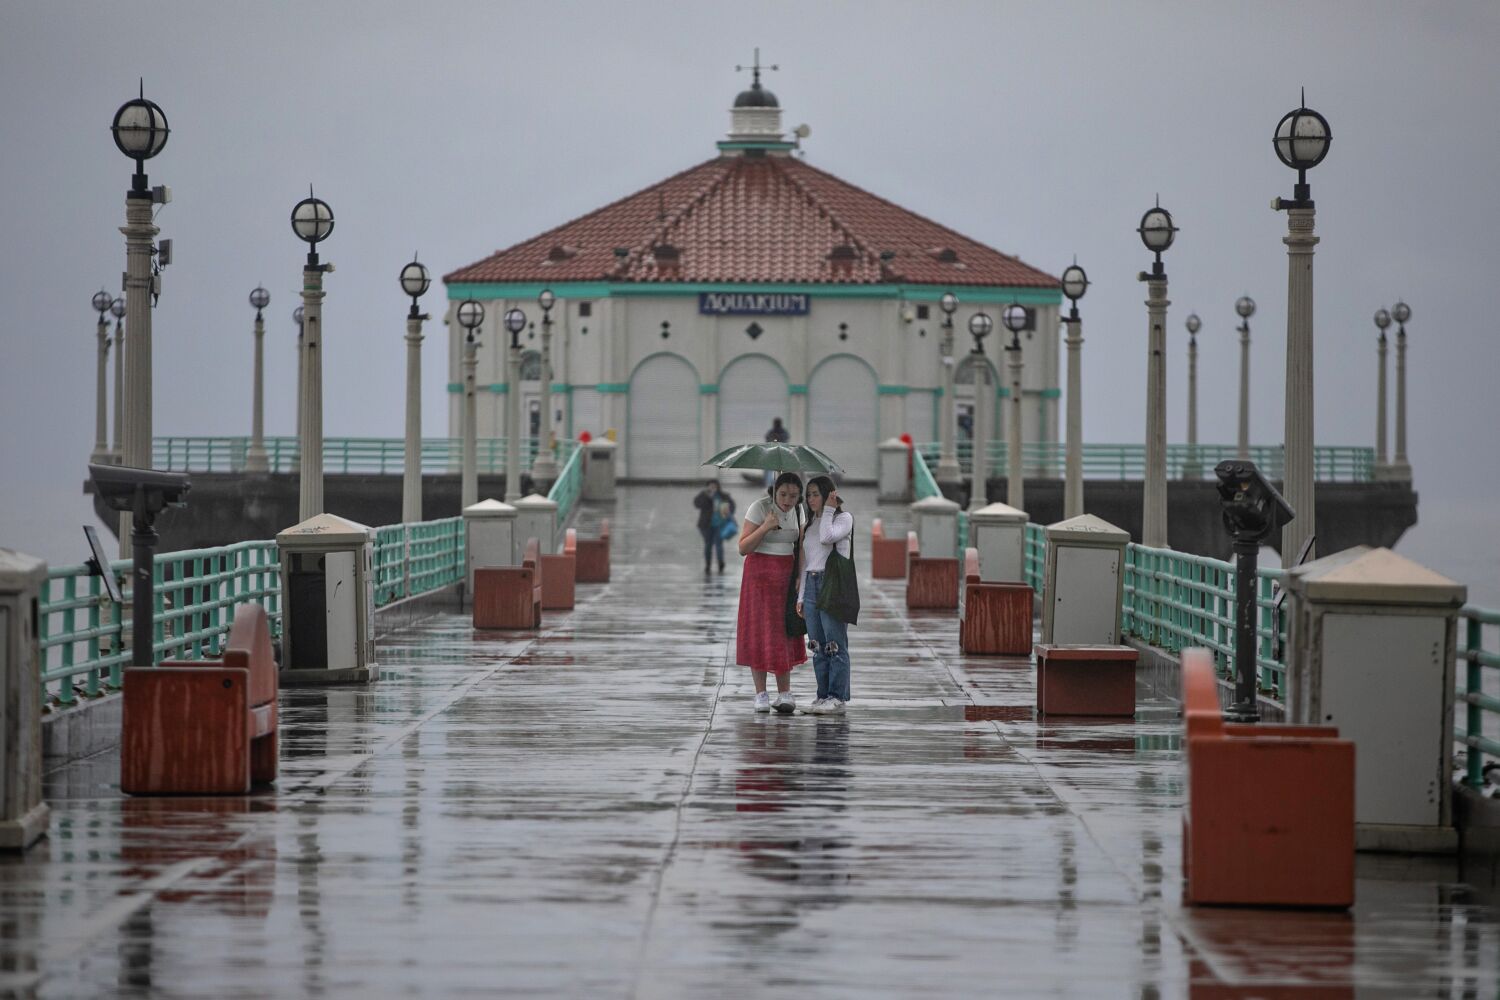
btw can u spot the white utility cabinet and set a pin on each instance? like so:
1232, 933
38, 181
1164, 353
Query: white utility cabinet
328, 601
935, 520
998, 531
895, 470
23, 814
489, 538
536, 517
599, 469
1085, 581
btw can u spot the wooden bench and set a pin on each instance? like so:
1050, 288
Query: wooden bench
1085, 679
887, 555
1269, 819
204, 727
593, 557
510, 597
996, 617
930, 583
559, 571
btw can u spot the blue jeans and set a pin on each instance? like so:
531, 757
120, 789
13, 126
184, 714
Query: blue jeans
713, 542
828, 639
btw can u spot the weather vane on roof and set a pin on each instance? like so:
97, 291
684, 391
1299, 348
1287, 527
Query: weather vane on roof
756, 68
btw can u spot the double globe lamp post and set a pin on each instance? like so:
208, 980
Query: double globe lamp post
101, 302
255, 459
1015, 319
544, 465
515, 322
312, 221
470, 317
1075, 282
947, 467
1401, 465
980, 326
1157, 232
415, 280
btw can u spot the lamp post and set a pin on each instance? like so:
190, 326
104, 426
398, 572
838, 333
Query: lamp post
470, 316
1382, 320
255, 458
117, 450
544, 465
100, 456
301, 365
1301, 141
947, 471
980, 326
415, 280
1014, 319
1400, 465
1075, 282
515, 322
1190, 468
1157, 231
1245, 307
140, 132
312, 221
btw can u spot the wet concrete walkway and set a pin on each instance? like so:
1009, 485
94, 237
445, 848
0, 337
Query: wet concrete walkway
595, 811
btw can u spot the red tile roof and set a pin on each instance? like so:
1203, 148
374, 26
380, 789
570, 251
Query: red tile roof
754, 219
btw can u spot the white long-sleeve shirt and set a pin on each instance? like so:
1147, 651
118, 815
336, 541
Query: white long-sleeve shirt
823, 533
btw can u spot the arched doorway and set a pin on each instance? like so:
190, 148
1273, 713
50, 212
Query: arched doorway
752, 393
661, 439
843, 417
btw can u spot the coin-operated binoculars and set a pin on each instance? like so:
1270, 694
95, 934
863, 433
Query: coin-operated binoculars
1253, 510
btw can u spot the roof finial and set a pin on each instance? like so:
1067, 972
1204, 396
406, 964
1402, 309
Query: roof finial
755, 68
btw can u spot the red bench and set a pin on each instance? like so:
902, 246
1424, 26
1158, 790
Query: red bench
204, 727
887, 555
996, 619
1269, 819
559, 571
593, 557
510, 597
1085, 679
930, 583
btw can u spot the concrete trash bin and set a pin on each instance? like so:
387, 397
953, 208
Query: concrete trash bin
1085, 581
1372, 639
23, 814
328, 602
935, 520
489, 537
998, 531
536, 517
599, 469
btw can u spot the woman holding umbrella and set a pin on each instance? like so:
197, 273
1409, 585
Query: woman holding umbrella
768, 540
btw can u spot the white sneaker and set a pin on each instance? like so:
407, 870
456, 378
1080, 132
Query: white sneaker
832, 707
816, 708
785, 703
763, 701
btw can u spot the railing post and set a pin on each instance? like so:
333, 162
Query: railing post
1473, 685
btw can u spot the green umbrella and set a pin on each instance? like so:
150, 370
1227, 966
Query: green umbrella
775, 456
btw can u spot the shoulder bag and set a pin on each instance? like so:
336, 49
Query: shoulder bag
838, 595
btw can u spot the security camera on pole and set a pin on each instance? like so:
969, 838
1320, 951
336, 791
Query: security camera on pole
1382, 457
980, 326
1075, 282
515, 322
544, 465
1401, 465
255, 458
1015, 319
140, 132
1301, 141
1191, 469
415, 280
312, 221
1245, 307
470, 317
100, 456
117, 450
947, 471
1157, 232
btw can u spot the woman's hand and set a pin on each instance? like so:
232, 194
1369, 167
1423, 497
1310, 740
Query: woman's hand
833, 500
752, 533
799, 610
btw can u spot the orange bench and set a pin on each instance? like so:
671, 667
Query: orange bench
930, 583
1269, 819
510, 597
593, 557
204, 727
1085, 679
559, 572
996, 619
887, 555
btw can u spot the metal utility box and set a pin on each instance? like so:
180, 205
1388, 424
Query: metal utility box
895, 470
489, 533
935, 520
1372, 638
998, 531
599, 469
1085, 581
23, 814
327, 602
536, 517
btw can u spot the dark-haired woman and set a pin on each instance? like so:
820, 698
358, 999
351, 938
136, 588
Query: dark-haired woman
828, 527
768, 541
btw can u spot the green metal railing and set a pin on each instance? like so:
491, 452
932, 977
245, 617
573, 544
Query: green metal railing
569, 486
1045, 459
369, 456
1474, 660
1035, 555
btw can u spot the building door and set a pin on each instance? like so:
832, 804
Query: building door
752, 393
661, 440
843, 415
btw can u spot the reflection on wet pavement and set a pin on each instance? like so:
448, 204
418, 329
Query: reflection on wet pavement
595, 811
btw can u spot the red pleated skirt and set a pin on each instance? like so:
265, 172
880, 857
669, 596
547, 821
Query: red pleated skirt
761, 642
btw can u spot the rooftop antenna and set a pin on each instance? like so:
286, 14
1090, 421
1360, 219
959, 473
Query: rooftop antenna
756, 67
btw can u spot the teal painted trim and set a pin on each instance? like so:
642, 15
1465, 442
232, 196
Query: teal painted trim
782, 146
498, 387
562, 387
1004, 391
708, 390
891, 390
455, 387
618, 387
1050, 393
797, 390
989, 295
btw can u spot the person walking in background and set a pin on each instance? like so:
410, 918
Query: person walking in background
715, 512
768, 541
776, 435
828, 527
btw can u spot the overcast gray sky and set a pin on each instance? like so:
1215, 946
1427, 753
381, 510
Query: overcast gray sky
1043, 129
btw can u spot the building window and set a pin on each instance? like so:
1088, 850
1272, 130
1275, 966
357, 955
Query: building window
585, 309
921, 312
